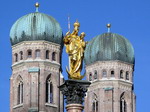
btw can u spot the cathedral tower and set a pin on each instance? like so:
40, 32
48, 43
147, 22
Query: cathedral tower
36, 40
109, 60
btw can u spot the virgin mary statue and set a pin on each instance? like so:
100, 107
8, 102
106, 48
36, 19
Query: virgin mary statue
75, 46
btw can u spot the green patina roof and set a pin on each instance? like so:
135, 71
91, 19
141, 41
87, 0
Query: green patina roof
108, 47
108, 88
36, 26
32, 110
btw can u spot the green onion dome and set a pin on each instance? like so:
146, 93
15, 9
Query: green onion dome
36, 26
109, 47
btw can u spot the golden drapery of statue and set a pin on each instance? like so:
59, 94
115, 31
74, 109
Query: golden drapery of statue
75, 46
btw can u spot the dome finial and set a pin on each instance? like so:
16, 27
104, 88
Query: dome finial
108, 26
37, 5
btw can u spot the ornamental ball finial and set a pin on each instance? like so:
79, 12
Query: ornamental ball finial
108, 25
37, 4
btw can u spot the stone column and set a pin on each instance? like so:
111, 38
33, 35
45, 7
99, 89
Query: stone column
74, 92
74, 108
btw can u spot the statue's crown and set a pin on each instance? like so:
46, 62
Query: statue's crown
77, 24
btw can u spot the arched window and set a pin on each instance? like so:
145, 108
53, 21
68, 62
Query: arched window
54, 56
47, 54
49, 90
127, 75
95, 104
16, 57
29, 54
21, 55
123, 104
37, 53
19, 90
20, 93
104, 73
112, 73
121, 74
95, 74
90, 77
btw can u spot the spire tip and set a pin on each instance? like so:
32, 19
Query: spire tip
108, 26
37, 5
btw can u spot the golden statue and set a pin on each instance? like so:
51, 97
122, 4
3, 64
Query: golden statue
75, 47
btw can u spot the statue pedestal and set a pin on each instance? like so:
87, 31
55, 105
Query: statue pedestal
74, 92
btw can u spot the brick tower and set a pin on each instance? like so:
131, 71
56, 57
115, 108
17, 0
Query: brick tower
36, 40
109, 60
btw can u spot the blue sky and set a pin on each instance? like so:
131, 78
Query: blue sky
130, 18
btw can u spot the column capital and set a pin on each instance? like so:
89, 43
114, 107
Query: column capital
74, 91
